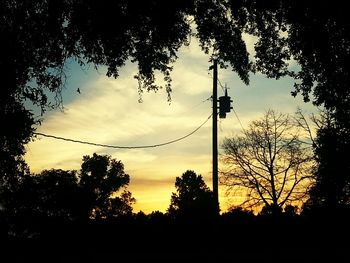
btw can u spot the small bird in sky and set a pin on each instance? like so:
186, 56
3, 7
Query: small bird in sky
78, 90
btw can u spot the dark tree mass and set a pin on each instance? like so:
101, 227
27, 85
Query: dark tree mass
56, 195
193, 200
39, 36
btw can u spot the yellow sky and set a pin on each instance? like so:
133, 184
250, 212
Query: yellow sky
108, 112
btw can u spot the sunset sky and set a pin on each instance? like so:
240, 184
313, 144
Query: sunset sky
107, 111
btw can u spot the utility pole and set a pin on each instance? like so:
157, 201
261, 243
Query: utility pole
215, 135
225, 107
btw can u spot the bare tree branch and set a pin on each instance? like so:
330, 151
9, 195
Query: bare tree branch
269, 162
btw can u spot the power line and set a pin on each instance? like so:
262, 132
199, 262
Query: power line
199, 104
222, 87
123, 147
240, 123
220, 84
184, 112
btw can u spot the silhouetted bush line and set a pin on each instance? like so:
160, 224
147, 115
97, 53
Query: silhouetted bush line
227, 237
135, 225
46, 227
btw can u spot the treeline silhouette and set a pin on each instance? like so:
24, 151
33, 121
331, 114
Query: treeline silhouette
86, 216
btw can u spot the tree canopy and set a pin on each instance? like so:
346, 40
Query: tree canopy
151, 32
331, 192
193, 200
101, 177
39, 37
98, 191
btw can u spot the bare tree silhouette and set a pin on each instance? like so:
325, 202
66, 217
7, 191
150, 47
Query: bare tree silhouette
270, 164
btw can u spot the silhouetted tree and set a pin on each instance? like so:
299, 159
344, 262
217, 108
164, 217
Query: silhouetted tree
193, 199
269, 165
15, 132
50, 194
54, 193
38, 200
100, 178
331, 191
58, 196
120, 205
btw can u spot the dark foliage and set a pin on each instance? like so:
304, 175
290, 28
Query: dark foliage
331, 192
193, 200
100, 177
56, 197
